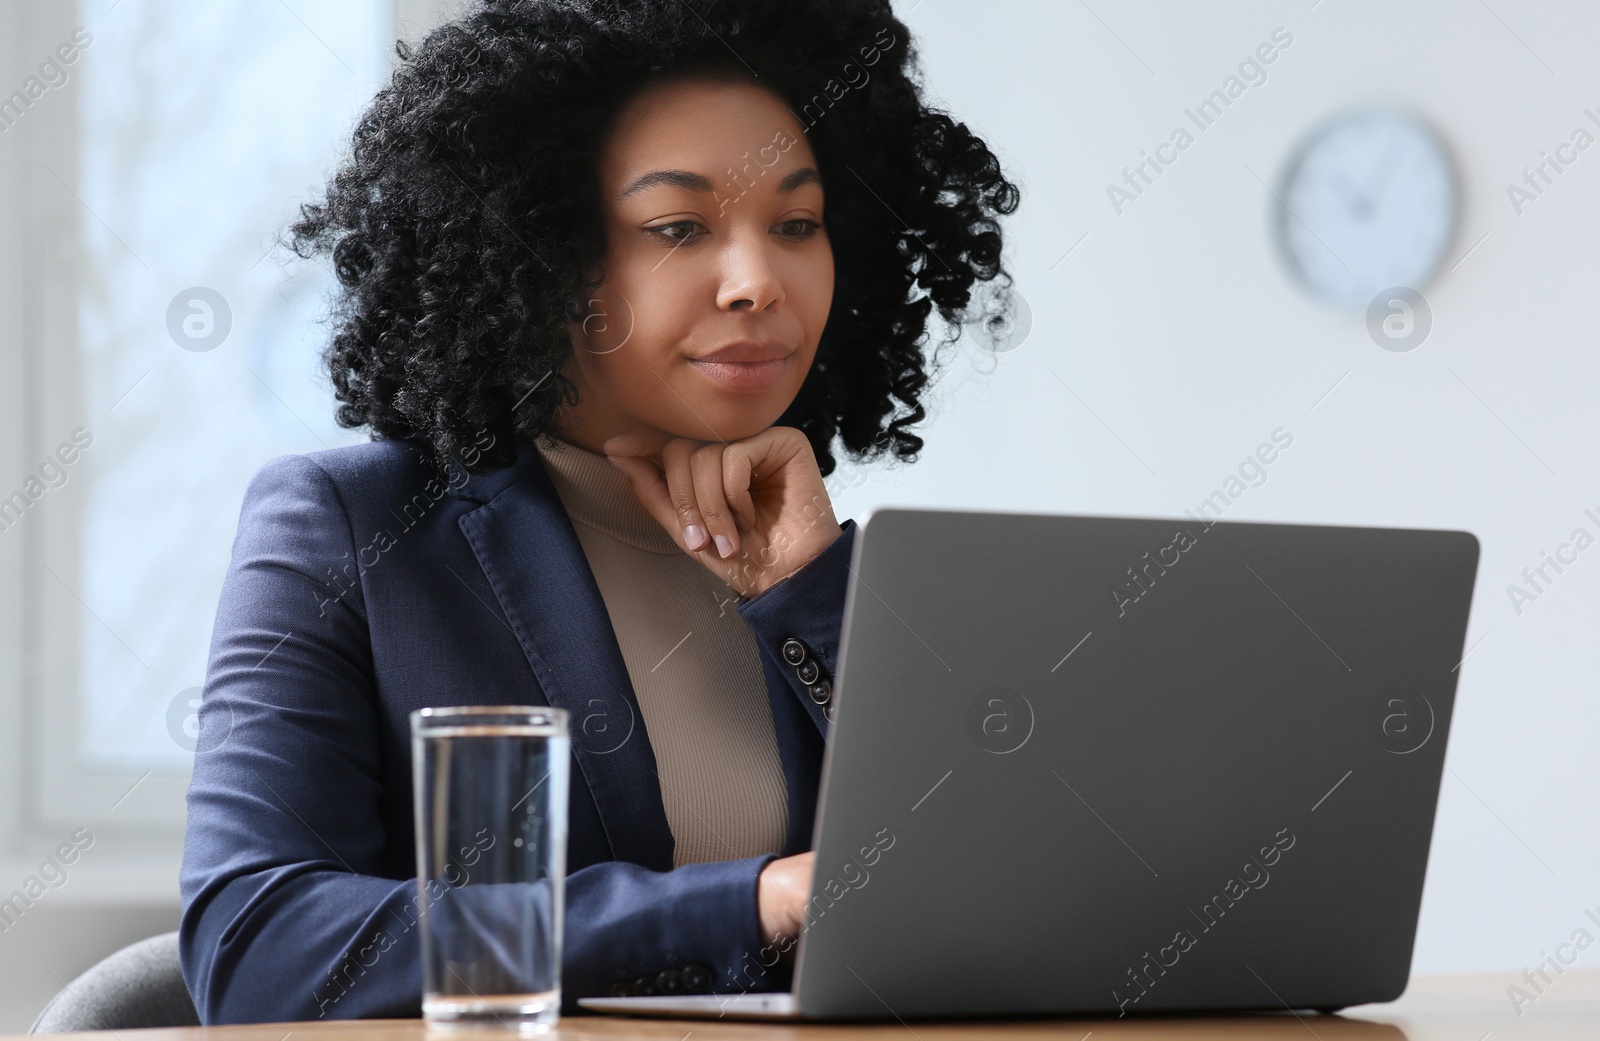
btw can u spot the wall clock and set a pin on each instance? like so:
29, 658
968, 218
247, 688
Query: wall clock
1369, 201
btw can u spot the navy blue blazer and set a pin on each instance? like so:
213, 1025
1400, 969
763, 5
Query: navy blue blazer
362, 586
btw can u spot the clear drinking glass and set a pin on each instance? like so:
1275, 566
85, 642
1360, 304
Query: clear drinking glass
490, 788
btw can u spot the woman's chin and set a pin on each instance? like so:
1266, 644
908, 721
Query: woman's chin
731, 416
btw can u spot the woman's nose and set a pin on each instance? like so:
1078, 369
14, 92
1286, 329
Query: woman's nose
750, 278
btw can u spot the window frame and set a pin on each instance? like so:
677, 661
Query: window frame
45, 793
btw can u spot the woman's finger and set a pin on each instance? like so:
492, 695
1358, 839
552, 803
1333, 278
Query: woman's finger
689, 522
761, 457
736, 474
706, 468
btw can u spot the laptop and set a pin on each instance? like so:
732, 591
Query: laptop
1109, 766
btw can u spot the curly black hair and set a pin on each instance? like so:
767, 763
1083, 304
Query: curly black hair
466, 227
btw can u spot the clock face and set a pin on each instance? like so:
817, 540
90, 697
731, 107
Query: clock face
1369, 203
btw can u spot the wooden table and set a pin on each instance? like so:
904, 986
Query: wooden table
1434, 1008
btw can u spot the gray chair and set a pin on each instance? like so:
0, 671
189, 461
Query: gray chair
139, 986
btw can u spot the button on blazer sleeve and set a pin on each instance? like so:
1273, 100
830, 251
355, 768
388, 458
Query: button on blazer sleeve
286, 914
807, 606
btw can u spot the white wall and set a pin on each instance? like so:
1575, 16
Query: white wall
1177, 326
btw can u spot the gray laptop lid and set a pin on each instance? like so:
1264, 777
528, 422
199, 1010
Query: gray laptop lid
1111, 765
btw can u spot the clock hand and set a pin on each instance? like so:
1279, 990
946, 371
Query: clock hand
1386, 169
1354, 201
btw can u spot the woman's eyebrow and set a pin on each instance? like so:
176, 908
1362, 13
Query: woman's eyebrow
699, 183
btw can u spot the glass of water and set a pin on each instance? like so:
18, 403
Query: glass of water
490, 788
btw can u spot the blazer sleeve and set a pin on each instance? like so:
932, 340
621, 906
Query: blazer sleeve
286, 915
807, 606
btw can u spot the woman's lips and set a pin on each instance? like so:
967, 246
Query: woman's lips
748, 376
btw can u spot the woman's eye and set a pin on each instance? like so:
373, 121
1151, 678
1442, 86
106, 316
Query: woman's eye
661, 229
800, 228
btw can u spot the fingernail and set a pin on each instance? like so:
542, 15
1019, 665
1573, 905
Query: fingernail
614, 461
724, 547
694, 536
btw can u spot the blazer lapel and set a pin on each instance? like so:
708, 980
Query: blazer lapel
535, 564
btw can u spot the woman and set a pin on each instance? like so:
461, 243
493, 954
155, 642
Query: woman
604, 324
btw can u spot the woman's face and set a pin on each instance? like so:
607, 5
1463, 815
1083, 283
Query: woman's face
713, 210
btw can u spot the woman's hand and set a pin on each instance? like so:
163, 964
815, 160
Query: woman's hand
753, 511
782, 890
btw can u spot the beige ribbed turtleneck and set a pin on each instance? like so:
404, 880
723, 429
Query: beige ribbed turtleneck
694, 665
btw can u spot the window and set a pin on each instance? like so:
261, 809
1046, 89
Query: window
169, 353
